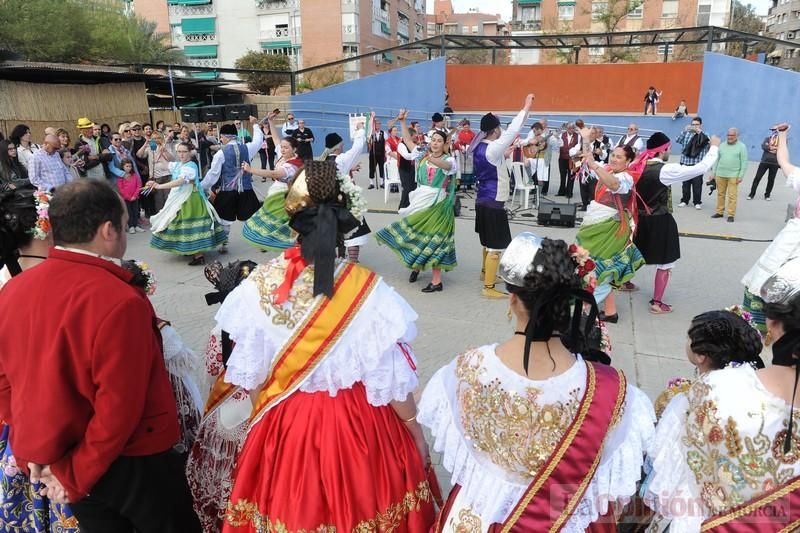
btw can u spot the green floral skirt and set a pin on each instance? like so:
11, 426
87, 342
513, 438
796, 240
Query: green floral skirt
192, 231
268, 228
616, 257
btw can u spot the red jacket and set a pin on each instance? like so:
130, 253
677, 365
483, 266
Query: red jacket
82, 375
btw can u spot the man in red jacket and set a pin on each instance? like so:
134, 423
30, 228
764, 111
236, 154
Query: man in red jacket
82, 379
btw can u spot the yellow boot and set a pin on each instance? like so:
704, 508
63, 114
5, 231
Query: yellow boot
492, 261
483, 265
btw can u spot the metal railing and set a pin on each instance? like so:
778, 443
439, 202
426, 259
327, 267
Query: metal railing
203, 62
277, 4
181, 10
193, 37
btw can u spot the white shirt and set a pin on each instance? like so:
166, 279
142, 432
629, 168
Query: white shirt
346, 160
638, 145
575, 150
496, 151
212, 176
289, 126
404, 152
675, 173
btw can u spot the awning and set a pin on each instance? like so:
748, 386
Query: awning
271, 45
776, 53
200, 50
566, 2
204, 76
529, 2
387, 57
385, 28
188, 2
198, 26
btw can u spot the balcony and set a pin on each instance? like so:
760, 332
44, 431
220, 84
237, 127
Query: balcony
193, 37
179, 10
380, 15
402, 27
350, 33
531, 25
277, 4
204, 62
280, 34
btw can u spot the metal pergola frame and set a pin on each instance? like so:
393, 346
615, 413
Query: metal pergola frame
707, 36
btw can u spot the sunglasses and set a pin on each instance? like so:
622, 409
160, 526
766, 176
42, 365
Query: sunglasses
126, 131
116, 139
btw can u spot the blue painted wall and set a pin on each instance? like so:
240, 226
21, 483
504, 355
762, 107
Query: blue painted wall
749, 96
419, 88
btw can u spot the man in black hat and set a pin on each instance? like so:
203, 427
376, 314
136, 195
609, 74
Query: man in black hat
235, 198
438, 125
493, 178
657, 232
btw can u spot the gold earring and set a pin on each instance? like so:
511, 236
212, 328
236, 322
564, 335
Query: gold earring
510, 315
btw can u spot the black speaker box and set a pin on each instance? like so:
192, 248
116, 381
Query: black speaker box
557, 215
190, 115
212, 113
240, 111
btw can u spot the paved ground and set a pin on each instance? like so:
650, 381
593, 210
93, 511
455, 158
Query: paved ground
649, 348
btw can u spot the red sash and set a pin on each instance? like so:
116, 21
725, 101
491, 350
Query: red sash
775, 511
550, 500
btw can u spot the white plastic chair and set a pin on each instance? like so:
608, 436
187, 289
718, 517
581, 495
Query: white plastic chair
392, 173
520, 184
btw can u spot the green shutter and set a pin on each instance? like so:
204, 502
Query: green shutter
198, 26
529, 2
204, 76
566, 2
387, 57
188, 2
385, 28
200, 50
269, 45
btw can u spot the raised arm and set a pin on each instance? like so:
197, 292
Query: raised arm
401, 118
346, 160
782, 154
675, 173
495, 152
258, 138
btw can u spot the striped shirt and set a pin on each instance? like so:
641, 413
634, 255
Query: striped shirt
48, 171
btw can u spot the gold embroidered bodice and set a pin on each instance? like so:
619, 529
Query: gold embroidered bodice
736, 453
509, 422
268, 277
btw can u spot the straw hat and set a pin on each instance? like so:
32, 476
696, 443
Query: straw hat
84, 123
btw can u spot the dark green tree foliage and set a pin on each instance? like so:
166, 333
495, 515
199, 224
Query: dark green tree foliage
744, 18
263, 83
74, 31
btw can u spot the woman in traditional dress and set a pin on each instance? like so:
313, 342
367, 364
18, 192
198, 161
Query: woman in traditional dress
322, 346
188, 223
537, 437
425, 236
25, 239
785, 246
726, 456
606, 231
268, 228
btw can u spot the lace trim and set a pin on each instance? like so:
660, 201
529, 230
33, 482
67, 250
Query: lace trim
492, 497
245, 513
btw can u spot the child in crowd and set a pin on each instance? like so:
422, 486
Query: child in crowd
680, 111
129, 186
70, 163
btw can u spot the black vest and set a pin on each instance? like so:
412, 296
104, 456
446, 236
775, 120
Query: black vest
405, 165
654, 193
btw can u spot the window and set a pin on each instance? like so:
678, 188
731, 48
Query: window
790, 35
669, 10
350, 50
597, 52
703, 15
474, 29
431, 28
668, 48
566, 12
636, 13
598, 9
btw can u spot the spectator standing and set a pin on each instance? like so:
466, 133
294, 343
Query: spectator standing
632, 139
569, 144
161, 126
267, 151
105, 131
21, 137
695, 147
376, 145
289, 126
138, 146
769, 164
89, 150
158, 160
305, 138
12, 172
728, 174
119, 153
128, 186
651, 98
64, 139
69, 162
437, 124
102, 439
241, 132
125, 132
47, 170
147, 130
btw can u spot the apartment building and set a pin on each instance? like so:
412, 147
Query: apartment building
214, 33
783, 22
445, 20
531, 17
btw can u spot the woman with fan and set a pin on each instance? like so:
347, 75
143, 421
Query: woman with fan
538, 432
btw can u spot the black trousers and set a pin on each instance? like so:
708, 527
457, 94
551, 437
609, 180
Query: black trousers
376, 160
268, 155
587, 192
563, 169
651, 106
763, 168
140, 495
692, 189
407, 184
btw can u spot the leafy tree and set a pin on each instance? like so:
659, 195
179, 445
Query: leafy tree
744, 18
72, 31
610, 16
470, 57
262, 82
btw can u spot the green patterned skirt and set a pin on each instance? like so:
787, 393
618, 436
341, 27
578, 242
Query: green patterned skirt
616, 257
425, 239
755, 306
268, 228
191, 231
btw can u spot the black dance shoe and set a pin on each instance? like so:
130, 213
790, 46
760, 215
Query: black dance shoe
433, 288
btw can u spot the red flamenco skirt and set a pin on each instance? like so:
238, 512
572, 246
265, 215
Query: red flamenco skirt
323, 464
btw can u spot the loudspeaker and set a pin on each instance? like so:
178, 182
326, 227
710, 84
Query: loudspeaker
190, 114
212, 113
557, 215
240, 111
